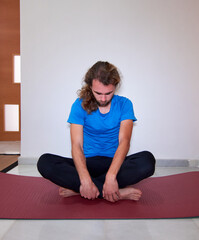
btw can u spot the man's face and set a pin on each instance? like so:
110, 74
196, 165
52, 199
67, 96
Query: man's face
103, 94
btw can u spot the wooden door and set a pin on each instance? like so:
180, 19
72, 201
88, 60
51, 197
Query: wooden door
9, 47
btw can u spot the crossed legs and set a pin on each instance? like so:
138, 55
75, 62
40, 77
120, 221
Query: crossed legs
62, 172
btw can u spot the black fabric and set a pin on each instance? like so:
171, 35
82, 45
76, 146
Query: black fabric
62, 171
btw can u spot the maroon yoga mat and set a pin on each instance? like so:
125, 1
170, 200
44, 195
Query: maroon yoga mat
175, 196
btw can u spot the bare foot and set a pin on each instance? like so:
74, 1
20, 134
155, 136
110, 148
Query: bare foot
64, 192
130, 193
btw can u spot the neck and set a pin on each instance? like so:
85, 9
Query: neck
105, 110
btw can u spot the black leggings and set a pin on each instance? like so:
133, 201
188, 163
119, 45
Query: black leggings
62, 171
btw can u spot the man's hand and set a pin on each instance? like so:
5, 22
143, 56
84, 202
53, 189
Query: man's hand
111, 190
89, 190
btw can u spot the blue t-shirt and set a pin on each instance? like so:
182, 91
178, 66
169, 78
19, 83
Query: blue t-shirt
101, 131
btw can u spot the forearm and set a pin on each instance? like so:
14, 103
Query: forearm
111, 187
126, 128
118, 159
87, 187
80, 164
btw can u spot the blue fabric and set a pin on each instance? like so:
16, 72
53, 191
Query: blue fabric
101, 131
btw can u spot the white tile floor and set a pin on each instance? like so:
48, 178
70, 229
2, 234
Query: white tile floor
164, 229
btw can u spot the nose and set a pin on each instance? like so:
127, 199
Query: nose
103, 98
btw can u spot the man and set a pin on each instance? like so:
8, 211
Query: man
101, 125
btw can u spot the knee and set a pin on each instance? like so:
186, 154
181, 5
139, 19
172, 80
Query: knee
149, 157
148, 162
43, 164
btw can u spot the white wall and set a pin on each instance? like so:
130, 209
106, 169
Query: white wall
154, 43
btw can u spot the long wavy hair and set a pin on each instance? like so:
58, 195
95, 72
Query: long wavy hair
104, 72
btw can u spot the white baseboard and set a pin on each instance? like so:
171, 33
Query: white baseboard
27, 160
159, 162
193, 163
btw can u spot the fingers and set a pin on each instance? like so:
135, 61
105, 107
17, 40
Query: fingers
116, 196
112, 197
90, 196
97, 194
89, 193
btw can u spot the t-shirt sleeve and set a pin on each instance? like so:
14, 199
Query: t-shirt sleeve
77, 113
127, 111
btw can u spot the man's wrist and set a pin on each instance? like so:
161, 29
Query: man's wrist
85, 180
110, 176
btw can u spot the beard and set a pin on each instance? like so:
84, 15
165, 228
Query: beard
103, 103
